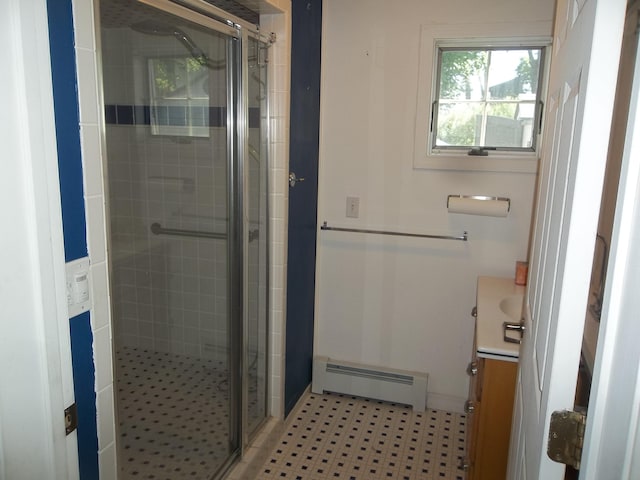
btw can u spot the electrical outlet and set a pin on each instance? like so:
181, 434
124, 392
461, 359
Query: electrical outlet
353, 207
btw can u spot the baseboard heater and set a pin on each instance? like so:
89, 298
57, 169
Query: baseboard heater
390, 385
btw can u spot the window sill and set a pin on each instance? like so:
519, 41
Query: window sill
469, 163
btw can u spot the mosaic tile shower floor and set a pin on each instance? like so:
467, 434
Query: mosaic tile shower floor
335, 436
173, 415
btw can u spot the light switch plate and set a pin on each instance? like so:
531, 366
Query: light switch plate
78, 286
353, 207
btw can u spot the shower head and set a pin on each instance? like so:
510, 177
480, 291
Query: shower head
149, 27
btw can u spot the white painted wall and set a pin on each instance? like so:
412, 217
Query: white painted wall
400, 302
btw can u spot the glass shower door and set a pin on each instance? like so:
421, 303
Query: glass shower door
170, 90
256, 168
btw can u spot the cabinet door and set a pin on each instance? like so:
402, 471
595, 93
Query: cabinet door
479, 380
494, 419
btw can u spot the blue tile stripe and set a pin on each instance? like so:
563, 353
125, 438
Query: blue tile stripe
66, 111
173, 115
165, 115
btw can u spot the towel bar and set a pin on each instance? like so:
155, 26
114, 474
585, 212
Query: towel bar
462, 237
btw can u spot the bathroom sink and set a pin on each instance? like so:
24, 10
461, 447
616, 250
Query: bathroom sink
512, 307
499, 301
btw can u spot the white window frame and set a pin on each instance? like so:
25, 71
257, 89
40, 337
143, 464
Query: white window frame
486, 100
433, 36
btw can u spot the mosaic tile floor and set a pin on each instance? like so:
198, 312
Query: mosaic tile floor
335, 436
173, 415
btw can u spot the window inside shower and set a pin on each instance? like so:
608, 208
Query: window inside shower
179, 96
187, 199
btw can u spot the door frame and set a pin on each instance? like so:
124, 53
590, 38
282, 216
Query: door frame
612, 437
35, 317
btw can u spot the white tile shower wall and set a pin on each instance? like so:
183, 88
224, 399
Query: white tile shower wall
164, 302
171, 290
279, 73
85, 42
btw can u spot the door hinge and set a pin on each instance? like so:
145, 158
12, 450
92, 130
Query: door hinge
566, 437
70, 418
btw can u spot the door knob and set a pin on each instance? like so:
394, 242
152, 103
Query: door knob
293, 179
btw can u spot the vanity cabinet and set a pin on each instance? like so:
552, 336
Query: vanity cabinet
493, 371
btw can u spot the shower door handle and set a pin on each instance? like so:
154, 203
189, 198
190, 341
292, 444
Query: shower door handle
293, 179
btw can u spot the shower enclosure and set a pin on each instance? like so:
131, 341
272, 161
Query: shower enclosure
185, 99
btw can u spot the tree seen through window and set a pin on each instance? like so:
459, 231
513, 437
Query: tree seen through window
487, 97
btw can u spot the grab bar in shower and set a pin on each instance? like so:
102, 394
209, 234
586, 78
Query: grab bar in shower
462, 237
158, 229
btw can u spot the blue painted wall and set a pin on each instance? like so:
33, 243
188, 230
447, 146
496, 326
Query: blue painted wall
65, 98
84, 381
306, 30
63, 68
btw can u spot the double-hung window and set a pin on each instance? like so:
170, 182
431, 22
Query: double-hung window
487, 98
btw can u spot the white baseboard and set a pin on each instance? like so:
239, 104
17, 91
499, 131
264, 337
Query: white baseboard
448, 403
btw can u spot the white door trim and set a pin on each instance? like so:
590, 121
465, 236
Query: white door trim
36, 377
612, 437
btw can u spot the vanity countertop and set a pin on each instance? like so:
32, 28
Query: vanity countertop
489, 331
